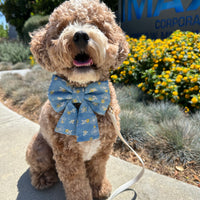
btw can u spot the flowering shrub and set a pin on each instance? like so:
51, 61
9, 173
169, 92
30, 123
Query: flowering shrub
32, 60
168, 69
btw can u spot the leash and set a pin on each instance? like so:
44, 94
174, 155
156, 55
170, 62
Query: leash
139, 176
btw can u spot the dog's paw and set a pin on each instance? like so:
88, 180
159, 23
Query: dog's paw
44, 180
102, 192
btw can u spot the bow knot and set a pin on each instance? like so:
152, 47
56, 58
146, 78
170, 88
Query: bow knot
82, 122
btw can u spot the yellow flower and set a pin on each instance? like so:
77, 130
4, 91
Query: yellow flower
179, 69
114, 77
194, 80
180, 56
173, 100
132, 59
173, 52
143, 89
166, 76
126, 62
175, 93
191, 89
161, 97
156, 91
130, 72
182, 52
164, 83
192, 66
178, 80
123, 73
196, 87
194, 100
162, 91
186, 109
187, 96
132, 67
185, 70
140, 85
159, 82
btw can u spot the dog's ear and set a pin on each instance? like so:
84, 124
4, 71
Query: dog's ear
39, 50
122, 46
123, 49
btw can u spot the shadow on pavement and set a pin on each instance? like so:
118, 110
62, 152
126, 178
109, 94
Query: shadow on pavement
27, 191
56, 192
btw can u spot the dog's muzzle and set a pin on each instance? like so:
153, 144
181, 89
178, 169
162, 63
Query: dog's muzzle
81, 39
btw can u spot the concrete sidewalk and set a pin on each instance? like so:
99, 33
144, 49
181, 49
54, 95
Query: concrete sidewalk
22, 72
15, 134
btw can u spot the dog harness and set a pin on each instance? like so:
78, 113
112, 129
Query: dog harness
82, 122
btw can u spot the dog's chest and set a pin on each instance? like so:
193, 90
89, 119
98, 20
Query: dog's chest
89, 148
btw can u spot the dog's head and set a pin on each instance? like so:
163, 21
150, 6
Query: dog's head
81, 42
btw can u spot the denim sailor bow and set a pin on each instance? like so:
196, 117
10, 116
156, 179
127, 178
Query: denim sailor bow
95, 98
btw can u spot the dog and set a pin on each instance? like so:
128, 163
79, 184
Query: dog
81, 43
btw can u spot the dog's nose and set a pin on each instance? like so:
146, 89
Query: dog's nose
81, 39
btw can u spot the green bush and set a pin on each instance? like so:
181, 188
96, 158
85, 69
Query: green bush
32, 24
167, 69
3, 31
13, 52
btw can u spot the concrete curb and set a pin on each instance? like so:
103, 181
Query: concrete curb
15, 134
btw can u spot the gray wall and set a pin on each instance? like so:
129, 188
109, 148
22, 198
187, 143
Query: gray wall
159, 18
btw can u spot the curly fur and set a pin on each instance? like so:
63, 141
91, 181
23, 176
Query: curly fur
80, 166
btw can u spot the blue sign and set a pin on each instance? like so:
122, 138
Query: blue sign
159, 18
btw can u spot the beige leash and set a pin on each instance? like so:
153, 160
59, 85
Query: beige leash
139, 176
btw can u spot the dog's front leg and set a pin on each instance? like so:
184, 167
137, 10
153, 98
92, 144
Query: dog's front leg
96, 172
71, 170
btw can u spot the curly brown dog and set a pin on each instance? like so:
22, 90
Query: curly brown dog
81, 43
